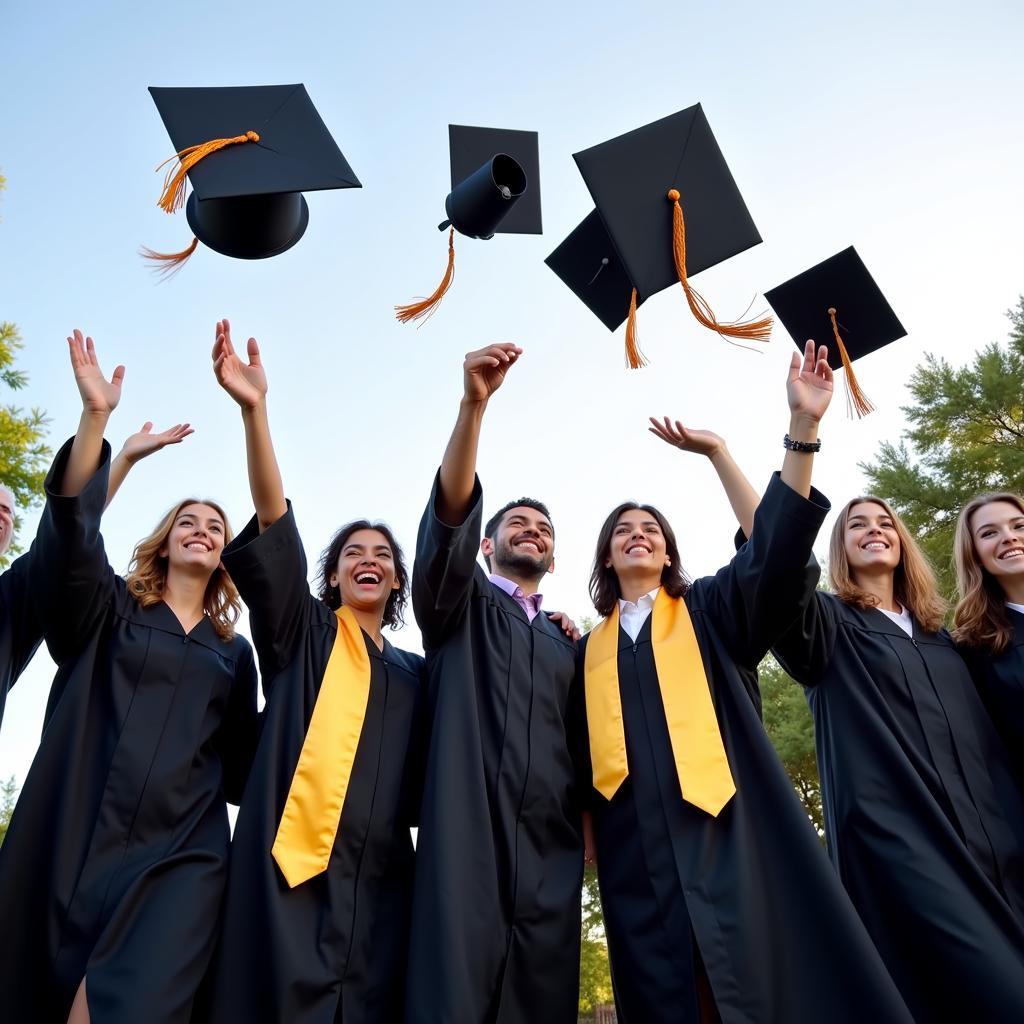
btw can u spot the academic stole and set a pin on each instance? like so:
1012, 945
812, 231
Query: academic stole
312, 812
701, 762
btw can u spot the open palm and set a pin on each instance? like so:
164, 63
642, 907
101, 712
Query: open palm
809, 388
99, 395
145, 442
700, 442
246, 383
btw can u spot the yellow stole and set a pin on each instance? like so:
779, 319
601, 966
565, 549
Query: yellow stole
701, 762
312, 812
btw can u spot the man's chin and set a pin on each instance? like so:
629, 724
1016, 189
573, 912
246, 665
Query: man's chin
524, 567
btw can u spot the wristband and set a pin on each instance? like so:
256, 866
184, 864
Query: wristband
801, 446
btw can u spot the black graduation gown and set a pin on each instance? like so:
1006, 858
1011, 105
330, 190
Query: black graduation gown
114, 863
20, 633
499, 868
923, 819
334, 947
752, 887
1000, 681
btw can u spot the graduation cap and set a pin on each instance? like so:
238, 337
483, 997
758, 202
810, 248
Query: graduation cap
250, 152
495, 190
840, 294
639, 242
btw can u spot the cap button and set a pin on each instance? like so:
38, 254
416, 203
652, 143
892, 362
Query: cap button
673, 195
252, 136
831, 310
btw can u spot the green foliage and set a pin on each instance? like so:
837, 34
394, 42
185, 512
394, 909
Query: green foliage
788, 722
595, 976
24, 454
966, 436
8, 795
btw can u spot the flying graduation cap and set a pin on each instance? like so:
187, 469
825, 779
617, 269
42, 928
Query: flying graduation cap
495, 190
667, 208
839, 294
250, 152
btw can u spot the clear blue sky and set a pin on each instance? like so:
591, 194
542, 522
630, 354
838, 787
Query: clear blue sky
895, 127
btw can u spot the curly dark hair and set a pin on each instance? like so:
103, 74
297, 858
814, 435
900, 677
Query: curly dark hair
331, 596
604, 584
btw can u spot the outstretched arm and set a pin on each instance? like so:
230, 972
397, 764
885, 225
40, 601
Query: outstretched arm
742, 497
809, 391
246, 383
483, 372
99, 399
137, 447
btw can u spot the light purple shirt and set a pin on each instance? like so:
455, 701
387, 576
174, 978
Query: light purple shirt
530, 603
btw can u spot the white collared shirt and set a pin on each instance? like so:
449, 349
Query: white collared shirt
902, 618
633, 615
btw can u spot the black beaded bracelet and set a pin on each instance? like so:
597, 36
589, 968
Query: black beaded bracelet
801, 446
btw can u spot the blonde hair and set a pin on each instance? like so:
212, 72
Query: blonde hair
914, 583
147, 573
980, 619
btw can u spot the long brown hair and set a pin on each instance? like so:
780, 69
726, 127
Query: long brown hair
604, 583
980, 619
913, 582
147, 573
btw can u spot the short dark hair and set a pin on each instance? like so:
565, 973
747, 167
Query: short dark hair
604, 583
331, 596
495, 521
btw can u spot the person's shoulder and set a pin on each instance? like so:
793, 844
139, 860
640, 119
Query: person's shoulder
415, 664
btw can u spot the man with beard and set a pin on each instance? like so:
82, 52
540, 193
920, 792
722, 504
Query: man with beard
499, 859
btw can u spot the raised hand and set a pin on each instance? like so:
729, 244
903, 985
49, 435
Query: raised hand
809, 387
145, 442
700, 442
246, 383
99, 396
484, 370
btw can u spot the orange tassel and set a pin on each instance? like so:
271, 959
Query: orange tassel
856, 400
753, 330
173, 195
424, 309
167, 264
634, 357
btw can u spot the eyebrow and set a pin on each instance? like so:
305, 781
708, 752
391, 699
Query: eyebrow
386, 548
1013, 519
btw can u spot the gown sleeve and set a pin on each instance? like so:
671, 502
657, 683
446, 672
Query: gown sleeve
578, 732
805, 649
22, 620
755, 598
238, 735
442, 575
72, 581
269, 570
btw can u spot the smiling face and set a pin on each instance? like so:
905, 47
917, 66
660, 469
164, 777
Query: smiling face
365, 573
870, 540
195, 541
6, 519
997, 530
523, 545
638, 547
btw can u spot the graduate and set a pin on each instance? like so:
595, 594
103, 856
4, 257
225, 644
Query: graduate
989, 617
719, 902
113, 868
20, 631
923, 821
316, 918
499, 858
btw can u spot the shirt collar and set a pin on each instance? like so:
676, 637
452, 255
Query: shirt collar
644, 601
515, 591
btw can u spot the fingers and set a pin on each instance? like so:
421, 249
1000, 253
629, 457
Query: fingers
118, 379
146, 427
253, 349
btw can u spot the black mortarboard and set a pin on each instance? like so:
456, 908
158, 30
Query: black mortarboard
495, 190
838, 297
641, 183
250, 152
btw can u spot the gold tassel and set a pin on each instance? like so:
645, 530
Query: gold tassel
424, 308
167, 264
173, 195
753, 330
634, 357
856, 400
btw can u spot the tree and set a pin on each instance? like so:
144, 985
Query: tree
788, 722
8, 795
24, 455
966, 436
595, 975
